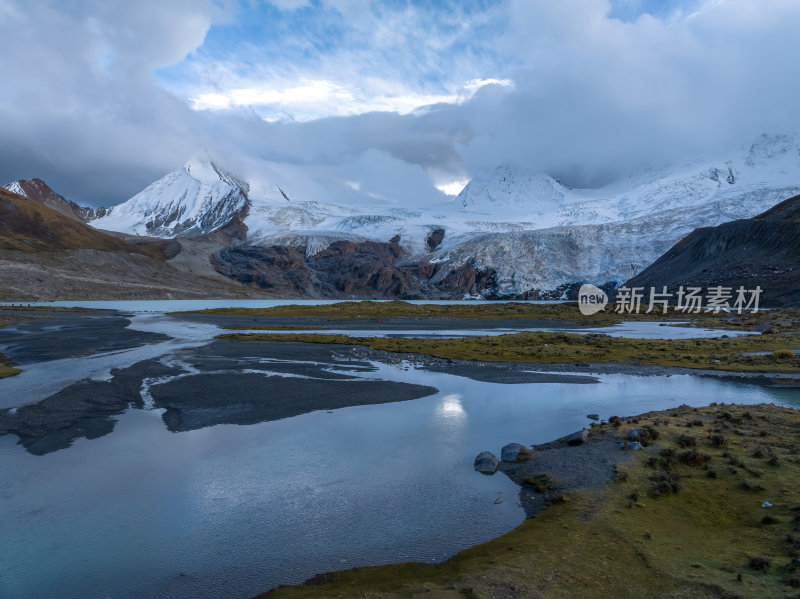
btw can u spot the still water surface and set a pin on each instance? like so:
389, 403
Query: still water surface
228, 511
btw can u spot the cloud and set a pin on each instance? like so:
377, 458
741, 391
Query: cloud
78, 104
308, 100
396, 98
596, 96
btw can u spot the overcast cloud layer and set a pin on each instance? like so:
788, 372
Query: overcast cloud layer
392, 98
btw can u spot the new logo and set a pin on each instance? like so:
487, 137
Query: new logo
591, 299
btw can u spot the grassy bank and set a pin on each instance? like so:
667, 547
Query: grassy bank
787, 319
499, 310
683, 519
6, 368
550, 348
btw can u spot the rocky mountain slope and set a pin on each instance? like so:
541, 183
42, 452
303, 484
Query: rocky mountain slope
197, 199
38, 191
532, 235
31, 226
45, 255
347, 269
762, 251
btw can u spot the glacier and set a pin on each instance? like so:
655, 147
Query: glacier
535, 232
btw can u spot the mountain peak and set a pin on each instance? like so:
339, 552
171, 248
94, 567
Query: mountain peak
202, 167
208, 171
511, 187
197, 199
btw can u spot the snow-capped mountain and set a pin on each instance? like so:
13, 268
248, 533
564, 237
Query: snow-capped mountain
196, 199
535, 233
513, 190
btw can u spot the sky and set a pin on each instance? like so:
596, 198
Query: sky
395, 100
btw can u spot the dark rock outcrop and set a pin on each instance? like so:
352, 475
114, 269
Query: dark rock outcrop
577, 438
762, 251
434, 239
278, 268
367, 269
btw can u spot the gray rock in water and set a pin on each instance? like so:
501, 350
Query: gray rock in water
510, 452
486, 462
576, 438
593, 416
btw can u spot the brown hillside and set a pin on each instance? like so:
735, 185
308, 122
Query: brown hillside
30, 226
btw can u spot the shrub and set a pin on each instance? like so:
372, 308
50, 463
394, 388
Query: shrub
541, 483
556, 498
692, 457
687, 441
666, 483
646, 434
759, 562
718, 440
750, 486
783, 354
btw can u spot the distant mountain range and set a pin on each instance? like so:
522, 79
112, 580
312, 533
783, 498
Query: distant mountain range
509, 233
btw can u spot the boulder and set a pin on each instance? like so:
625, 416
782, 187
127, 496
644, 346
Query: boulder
486, 463
577, 438
511, 452
630, 445
593, 416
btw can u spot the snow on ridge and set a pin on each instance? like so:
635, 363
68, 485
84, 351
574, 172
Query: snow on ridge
15, 187
196, 199
529, 227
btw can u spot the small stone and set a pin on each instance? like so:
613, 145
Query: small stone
511, 452
766, 504
499, 500
486, 463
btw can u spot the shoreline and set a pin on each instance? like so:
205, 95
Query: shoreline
680, 517
581, 484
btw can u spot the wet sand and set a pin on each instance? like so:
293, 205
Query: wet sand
42, 335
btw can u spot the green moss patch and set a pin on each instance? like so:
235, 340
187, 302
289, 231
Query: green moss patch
6, 367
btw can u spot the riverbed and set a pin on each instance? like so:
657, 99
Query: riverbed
219, 481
